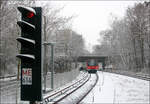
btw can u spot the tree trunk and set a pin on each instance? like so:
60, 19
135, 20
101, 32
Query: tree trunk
135, 56
142, 53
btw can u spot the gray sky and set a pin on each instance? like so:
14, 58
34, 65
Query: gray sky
92, 16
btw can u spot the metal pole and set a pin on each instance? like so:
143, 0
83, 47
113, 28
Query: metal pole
44, 51
44, 67
52, 62
52, 73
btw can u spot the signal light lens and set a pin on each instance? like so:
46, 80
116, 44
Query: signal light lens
30, 14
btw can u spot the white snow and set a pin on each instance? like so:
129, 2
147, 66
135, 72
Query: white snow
80, 76
103, 92
78, 94
112, 88
130, 90
118, 89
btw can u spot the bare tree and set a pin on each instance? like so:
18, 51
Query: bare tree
128, 39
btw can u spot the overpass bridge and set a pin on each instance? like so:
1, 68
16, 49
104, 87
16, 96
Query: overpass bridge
100, 59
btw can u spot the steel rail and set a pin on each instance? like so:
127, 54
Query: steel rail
139, 76
72, 91
46, 99
89, 90
143, 77
10, 76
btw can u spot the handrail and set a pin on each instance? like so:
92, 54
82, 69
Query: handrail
9, 76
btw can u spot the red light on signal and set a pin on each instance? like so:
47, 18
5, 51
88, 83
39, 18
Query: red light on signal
30, 14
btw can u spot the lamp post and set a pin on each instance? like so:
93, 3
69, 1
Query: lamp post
52, 61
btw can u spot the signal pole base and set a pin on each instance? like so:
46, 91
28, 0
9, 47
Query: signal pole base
32, 102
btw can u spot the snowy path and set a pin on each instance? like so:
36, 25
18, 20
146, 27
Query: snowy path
118, 89
103, 92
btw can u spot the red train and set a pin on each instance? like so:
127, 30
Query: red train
92, 66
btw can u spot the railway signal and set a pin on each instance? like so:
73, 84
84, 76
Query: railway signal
30, 53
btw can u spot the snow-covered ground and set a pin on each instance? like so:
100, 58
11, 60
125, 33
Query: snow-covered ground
103, 92
9, 95
130, 90
111, 88
118, 89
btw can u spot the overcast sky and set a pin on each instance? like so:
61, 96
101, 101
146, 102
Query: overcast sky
92, 16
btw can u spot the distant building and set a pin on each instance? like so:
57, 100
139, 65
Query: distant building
63, 47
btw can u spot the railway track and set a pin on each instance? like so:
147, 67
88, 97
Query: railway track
73, 91
89, 89
9, 88
135, 75
146, 77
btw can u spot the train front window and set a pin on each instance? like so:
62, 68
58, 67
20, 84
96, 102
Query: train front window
92, 63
